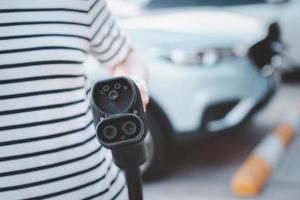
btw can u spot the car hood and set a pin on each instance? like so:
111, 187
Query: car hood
213, 25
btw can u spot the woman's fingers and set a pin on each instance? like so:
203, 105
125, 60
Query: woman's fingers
145, 97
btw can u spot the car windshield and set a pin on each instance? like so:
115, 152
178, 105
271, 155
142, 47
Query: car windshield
153, 4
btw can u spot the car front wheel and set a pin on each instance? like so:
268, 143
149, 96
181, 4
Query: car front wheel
157, 147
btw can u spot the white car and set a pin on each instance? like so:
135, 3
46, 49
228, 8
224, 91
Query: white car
203, 76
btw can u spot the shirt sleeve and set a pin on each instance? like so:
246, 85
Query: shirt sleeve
108, 43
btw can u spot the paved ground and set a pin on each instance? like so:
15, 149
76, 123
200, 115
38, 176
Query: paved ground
203, 171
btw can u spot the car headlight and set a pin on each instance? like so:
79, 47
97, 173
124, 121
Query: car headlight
204, 56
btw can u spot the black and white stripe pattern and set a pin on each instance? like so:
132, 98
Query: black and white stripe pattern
48, 147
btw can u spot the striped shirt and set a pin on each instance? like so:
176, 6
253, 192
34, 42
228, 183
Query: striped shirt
48, 147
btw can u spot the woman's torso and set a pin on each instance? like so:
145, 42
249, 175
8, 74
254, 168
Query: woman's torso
48, 146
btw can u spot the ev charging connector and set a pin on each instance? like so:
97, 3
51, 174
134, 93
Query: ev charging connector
120, 124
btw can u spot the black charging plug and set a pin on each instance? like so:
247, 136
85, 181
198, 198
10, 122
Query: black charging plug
120, 124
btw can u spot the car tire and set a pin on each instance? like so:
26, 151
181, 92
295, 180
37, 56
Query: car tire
157, 147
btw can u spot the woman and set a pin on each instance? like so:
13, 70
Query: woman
48, 147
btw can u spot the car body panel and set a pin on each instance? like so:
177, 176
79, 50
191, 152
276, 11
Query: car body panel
184, 93
232, 26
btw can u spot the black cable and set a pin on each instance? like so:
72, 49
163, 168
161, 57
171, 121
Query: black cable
134, 184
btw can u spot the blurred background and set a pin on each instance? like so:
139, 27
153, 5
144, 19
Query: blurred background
223, 74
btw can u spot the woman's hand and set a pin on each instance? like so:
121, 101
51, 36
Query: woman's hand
142, 85
145, 98
135, 69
